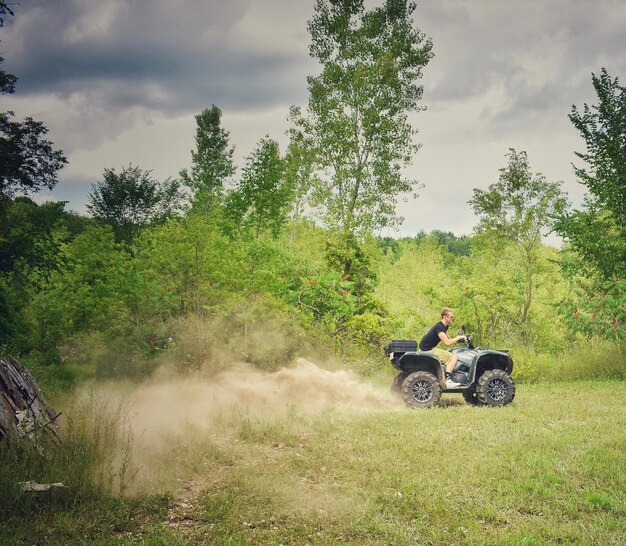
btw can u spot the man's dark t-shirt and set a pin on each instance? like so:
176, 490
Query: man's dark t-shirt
431, 338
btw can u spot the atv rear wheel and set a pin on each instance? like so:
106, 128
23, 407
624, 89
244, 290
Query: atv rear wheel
495, 388
421, 390
396, 386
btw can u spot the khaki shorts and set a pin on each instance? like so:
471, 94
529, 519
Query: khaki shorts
444, 356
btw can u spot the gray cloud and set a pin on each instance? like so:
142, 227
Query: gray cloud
124, 60
538, 55
120, 80
184, 50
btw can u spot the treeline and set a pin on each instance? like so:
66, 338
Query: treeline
280, 257
189, 292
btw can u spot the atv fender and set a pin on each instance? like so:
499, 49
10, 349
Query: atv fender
422, 361
492, 360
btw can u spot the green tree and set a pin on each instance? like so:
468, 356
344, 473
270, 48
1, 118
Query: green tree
458, 246
130, 200
415, 284
325, 304
348, 256
494, 283
522, 208
28, 161
262, 197
212, 159
4, 11
598, 232
27, 236
299, 170
357, 112
87, 292
30, 242
191, 260
7, 81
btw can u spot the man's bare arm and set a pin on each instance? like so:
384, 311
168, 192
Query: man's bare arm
450, 341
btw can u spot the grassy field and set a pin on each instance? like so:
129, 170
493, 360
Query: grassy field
549, 469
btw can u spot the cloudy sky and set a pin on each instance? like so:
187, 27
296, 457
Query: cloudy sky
120, 81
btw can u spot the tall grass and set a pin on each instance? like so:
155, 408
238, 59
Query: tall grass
92, 460
94, 463
579, 361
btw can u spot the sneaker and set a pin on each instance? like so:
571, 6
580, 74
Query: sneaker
451, 384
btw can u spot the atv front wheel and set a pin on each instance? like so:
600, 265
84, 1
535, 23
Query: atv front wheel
421, 390
495, 388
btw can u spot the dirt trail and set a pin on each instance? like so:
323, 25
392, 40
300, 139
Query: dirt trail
169, 416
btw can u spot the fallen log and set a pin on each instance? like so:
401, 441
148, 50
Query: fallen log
23, 409
43, 490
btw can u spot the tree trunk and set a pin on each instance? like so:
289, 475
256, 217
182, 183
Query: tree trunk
23, 410
530, 285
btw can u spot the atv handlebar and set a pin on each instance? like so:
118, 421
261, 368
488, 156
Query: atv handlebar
468, 338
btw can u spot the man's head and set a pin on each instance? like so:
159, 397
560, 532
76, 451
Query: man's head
447, 316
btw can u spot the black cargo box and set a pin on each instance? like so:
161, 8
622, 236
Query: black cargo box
401, 346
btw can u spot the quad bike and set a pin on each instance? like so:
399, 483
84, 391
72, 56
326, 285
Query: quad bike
483, 375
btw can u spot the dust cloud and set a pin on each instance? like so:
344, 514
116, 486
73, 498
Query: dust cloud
167, 404
169, 415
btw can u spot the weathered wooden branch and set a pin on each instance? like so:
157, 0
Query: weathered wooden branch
43, 489
23, 409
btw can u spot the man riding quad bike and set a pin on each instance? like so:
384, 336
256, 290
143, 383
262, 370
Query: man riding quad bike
482, 376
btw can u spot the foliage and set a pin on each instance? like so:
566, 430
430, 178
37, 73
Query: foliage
262, 196
485, 289
259, 331
29, 162
299, 170
31, 238
369, 332
493, 299
356, 120
231, 291
600, 313
415, 286
595, 259
245, 276
390, 246
130, 200
192, 262
87, 292
27, 236
576, 360
212, 159
346, 254
598, 233
325, 304
191, 292
457, 246
7, 81
5, 11
521, 208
